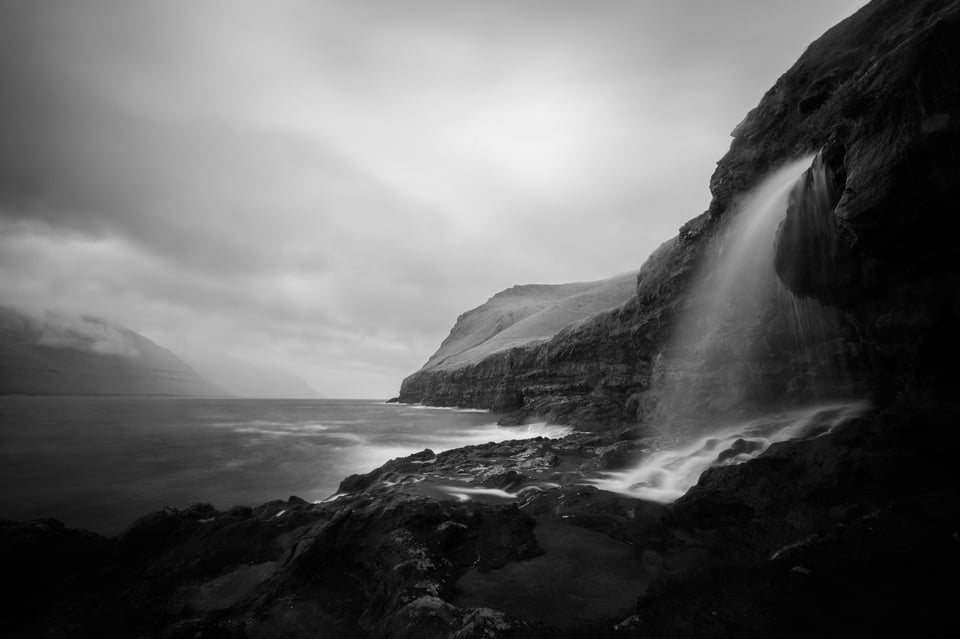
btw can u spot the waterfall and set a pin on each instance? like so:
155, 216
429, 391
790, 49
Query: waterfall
743, 266
726, 349
745, 356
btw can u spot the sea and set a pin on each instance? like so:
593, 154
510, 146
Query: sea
99, 463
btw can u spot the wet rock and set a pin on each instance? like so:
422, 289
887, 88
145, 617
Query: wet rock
516, 418
858, 511
360, 482
500, 477
617, 456
229, 590
540, 462
739, 447
433, 617
241, 512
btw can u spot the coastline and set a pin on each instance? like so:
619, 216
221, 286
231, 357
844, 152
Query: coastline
396, 556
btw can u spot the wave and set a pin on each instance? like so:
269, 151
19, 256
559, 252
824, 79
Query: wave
451, 408
539, 429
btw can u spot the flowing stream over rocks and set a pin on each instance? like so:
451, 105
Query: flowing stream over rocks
723, 344
665, 475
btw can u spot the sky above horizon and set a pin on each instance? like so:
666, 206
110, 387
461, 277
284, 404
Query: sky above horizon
323, 187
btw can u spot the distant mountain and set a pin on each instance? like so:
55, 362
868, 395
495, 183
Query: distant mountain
524, 314
244, 379
55, 353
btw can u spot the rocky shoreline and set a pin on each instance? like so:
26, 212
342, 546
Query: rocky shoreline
854, 533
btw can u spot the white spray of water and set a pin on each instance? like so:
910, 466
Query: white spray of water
708, 365
734, 288
467, 493
744, 267
665, 475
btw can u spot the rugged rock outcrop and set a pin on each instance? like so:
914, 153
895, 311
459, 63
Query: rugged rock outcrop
63, 354
878, 94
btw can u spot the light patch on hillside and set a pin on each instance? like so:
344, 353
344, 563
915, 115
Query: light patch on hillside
525, 314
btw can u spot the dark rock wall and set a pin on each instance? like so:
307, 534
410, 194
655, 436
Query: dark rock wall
880, 248
878, 93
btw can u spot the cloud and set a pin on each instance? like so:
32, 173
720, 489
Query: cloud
325, 186
72, 331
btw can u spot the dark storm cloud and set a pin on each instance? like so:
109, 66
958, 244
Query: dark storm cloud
325, 186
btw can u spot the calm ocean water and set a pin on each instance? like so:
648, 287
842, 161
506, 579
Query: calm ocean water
101, 462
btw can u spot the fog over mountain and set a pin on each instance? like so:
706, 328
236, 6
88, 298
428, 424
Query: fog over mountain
323, 187
57, 353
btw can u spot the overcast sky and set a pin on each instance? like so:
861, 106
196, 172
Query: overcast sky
325, 186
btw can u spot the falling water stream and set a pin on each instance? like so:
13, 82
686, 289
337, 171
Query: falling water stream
735, 284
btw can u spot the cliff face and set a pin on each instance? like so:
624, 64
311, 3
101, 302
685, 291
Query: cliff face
877, 247
524, 315
878, 95
476, 364
59, 354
